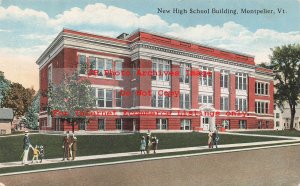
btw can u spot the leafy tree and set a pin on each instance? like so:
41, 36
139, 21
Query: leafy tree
32, 115
71, 95
285, 61
18, 98
4, 86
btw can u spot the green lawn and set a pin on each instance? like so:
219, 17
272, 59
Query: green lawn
11, 147
293, 133
107, 160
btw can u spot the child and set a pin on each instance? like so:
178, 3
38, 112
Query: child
36, 153
143, 145
42, 153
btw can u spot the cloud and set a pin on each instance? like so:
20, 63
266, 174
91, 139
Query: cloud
40, 37
111, 21
5, 30
236, 37
16, 13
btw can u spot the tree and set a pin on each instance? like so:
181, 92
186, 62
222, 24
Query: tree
4, 86
285, 61
18, 98
71, 95
32, 115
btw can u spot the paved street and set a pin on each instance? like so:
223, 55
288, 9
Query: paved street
274, 166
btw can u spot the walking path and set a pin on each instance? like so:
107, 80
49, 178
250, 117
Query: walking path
103, 156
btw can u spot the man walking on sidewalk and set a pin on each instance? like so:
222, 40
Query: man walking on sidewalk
26, 146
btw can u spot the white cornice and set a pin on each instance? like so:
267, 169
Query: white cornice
65, 40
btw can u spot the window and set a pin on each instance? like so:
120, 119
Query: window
49, 74
161, 124
118, 98
134, 68
267, 124
241, 104
261, 88
118, 70
185, 100
261, 107
161, 68
259, 125
160, 100
225, 124
241, 81
208, 79
277, 115
82, 64
104, 98
224, 79
49, 121
224, 103
185, 124
101, 124
133, 93
103, 65
205, 99
277, 123
243, 124
119, 124
184, 77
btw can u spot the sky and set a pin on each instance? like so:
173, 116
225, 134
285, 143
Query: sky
28, 27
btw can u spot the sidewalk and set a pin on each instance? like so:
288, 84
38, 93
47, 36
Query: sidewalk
103, 156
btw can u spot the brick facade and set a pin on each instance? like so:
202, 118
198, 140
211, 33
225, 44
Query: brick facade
140, 49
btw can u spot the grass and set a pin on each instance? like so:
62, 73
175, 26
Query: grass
11, 147
292, 133
107, 160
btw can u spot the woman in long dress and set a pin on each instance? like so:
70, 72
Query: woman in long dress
209, 140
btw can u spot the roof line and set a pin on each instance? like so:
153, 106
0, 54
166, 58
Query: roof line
188, 41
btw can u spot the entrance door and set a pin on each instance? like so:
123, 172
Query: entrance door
205, 123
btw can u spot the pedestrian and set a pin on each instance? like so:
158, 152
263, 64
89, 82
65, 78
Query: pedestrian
66, 146
216, 138
42, 153
154, 144
26, 146
148, 143
143, 145
36, 153
73, 146
209, 139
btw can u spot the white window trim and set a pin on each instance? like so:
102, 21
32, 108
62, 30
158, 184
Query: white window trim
97, 89
164, 98
190, 101
242, 75
224, 73
208, 69
186, 122
265, 91
223, 99
122, 122
185, 67
164, 62
264, 105
240, 107
161, 123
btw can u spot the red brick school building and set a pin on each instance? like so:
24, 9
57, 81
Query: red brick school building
161, 82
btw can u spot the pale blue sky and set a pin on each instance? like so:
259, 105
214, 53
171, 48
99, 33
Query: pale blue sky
28, 26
